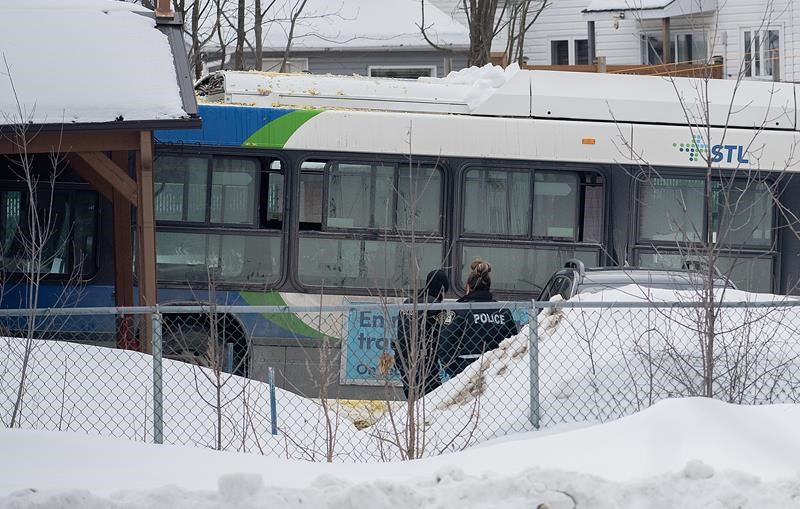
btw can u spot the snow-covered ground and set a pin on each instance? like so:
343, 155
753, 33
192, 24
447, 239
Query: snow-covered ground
613, 433
596, 365
684, 453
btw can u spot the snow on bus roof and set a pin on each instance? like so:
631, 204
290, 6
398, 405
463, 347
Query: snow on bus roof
348, 24
511, 92
84, 61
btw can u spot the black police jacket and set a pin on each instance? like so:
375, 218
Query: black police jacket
470, 332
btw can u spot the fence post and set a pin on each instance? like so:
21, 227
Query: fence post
158, 380
273, 408
229, 357
533, 358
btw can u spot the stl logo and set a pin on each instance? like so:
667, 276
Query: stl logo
694, 148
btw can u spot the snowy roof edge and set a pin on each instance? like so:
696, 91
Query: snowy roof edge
493, 91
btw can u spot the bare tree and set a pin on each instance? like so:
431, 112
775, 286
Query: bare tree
735, 208
521, 17
259, 11
294, 15
41, 243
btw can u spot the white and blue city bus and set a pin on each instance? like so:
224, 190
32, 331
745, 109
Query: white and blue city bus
304, 189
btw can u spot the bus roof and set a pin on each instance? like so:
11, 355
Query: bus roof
511, 92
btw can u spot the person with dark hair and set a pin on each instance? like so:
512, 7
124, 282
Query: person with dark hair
416, 345
471, 332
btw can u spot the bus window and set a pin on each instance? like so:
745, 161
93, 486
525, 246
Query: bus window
671, 209
360, 195
180, 188
496, 202
311, 179
593, 199
525, 269
274, 200
742, 213
419, 198
369, 209
364, 263
233, 190
199, 257
63, 238
10, 203
555, 205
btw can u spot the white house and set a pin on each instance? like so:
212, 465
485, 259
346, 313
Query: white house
759, 38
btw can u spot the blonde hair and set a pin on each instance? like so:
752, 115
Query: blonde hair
478, 277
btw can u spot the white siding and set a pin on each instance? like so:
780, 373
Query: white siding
622, 45
737, 15
563, 20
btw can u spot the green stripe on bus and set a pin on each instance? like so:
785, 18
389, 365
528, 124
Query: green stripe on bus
276, 133
288, 321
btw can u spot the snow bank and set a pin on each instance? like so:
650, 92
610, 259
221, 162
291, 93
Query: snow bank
596, 365
678, 453
82, 388
75, 62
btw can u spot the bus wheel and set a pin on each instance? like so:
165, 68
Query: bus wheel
188, 338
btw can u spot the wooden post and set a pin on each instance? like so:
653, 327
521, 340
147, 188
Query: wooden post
123, 262
665, 36
164, 9
145, 230
601, 65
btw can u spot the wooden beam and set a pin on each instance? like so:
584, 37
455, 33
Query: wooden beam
88, 141
145, 230
95, 168
123, 261
88, 174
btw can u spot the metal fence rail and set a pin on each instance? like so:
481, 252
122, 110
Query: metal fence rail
428, 378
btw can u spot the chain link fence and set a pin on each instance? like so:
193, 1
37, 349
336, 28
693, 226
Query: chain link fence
381, 382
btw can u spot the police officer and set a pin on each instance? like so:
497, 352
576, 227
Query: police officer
416, 346
471, 332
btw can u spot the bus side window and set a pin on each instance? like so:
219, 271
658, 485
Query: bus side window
272, 189
311, 182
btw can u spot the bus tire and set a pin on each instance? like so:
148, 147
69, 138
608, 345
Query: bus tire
187, 337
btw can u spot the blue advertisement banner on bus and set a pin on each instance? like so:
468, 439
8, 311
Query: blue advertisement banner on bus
367, 354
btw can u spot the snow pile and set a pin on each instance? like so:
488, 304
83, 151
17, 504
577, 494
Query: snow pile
678, 453
595, 365
602, 364
483, 81
80, 64
73, 387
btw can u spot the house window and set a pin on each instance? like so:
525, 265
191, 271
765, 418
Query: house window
582, 52
762, 53
691, 47
409, 72
559, 52
569, 52
292, 65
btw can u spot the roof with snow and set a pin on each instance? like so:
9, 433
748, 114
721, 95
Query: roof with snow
91, 62
511, 92
648, 9
349, 25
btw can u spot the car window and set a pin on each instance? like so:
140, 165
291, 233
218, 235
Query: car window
547, 292
562, 286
